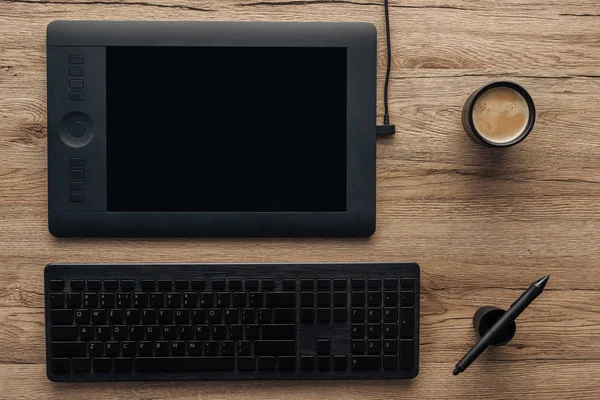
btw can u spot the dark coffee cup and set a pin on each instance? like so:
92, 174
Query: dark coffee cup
500, 114
487, 316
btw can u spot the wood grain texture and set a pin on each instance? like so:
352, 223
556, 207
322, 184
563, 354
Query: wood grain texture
481, 223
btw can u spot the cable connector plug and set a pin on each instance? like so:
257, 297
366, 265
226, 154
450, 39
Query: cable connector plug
386, 128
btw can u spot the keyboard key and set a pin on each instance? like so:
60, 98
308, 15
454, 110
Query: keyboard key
323, 314
246, 363
340, 314
103, 332
123, 364
61, 365
99, 316
132, 315
144, 348
251, 284
148, 284
268, 284
199, 315
219, 331
283, 299
284, 314
136, 332
107, 300
111, 284
407, 321
66, 349
90, 300
161, 348
74, 299
374, 283
340, 298
157, 364
366, 362
307, 314
102, 364
358, 346
265, 315
390, 314
95, 349
207, 299
202, 331
190, 299
223, 299
218, 284
128, 348
182, 284
194, 348
120, 332
390, 346
307, 299
165, 284
178, 348
374, 314
169, 332
323, 284
140, 300
239, 299
390, 298
307, 284
407, 354
182, 315
77, 284
87, 332
61, 316
198, 284
81, 364
82, 316
64, 332
307, 363
391, 283
152, 332
358, 330
323, 363
374, 346
186, 332
374, 298
57, 284
235, 284
407, 282
57, 300
358, 283
323, 346
252, 331
340, 283
173, 299
286, 363
324, 299
357, 298
289, 284
112, 348
390, 362
149, 316
211, 347
340, 362
407, 297
244, 347
157, 299
236, 331
390, 330
248, 315
266, 363
279, 331
357, 314
256, 299
127, 284
94, 284
374, 330
283, 347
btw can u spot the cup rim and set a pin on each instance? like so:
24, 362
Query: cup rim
521, 90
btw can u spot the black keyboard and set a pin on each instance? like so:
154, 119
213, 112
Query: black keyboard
231, 321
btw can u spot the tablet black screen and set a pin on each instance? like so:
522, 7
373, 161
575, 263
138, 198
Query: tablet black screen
226, 129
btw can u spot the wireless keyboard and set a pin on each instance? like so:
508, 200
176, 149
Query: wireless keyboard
231, 321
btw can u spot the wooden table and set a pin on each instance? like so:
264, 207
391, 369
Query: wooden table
482, 223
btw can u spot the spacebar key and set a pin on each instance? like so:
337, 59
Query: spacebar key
184, 364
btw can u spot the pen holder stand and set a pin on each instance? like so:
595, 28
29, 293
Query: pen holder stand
487, 316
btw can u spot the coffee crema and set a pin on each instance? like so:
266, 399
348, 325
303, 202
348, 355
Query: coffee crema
500, 114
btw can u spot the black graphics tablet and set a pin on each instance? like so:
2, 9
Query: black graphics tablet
211, 129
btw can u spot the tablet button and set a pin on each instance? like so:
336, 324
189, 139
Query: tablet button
76, 83
76, 59
77, 129
76, 161
76, 198
76, 71
76, 186
76, 174
75, 96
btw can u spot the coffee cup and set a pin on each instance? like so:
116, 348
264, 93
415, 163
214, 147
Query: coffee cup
500, 114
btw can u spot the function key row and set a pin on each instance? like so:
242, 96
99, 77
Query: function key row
233, 284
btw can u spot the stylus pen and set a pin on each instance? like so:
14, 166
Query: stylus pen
534, 290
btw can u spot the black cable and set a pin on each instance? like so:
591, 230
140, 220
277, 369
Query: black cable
386, 128
386, 118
